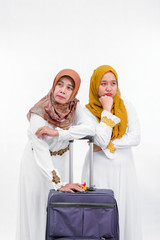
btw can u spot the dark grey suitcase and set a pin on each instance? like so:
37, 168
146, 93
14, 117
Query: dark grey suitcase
89, 215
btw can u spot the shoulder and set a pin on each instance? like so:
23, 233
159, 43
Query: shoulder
90, 114
36, 119
128, 105
79, 113
36, 122
82, 114
131, 111
79, 108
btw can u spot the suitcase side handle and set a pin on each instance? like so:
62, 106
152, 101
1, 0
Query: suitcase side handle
91, 140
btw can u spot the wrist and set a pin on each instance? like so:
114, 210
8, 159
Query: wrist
107, 109
57, 133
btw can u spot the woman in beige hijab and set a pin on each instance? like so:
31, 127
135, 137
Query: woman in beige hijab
54, 120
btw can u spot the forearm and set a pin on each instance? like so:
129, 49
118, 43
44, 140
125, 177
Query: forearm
104, 129
128, 140
75, 132
40, 149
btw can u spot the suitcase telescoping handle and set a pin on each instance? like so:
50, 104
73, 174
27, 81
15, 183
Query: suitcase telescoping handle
91, 140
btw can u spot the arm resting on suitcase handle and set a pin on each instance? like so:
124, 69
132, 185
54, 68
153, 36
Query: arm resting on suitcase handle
91, 140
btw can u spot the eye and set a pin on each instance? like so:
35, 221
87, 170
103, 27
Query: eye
59, 83
70, 88
103, 84
114, 83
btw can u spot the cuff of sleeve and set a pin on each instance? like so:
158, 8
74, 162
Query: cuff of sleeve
58, 185
109, 154
63, 134
110, 151
109, 119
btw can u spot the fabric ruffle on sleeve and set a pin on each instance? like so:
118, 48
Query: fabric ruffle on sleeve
63, 134
56, 181
109, 119
58, 185
110, 151
103, 129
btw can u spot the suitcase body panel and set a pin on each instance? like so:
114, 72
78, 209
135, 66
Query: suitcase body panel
88, 215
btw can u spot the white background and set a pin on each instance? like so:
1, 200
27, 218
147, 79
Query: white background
38, 38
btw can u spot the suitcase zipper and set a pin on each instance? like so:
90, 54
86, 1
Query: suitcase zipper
86, 194
81, 205
84, 238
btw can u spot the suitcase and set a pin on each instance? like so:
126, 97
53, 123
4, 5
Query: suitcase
92, 214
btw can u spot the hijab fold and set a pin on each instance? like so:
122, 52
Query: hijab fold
118, 108
59, 115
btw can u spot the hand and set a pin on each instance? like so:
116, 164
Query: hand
71, 188
96, 148
106, 102
46, 131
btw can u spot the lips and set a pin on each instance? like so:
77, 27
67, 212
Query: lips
109, 94
61, 97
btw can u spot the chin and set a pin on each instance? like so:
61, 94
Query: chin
61, 102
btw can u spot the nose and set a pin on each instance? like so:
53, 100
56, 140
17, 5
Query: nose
108, 87
63, 89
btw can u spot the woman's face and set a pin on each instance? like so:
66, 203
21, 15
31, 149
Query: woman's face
63, 90
108, 85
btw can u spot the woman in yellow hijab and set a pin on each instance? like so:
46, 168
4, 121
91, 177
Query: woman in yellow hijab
117, 130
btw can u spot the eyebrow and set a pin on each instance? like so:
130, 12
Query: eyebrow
69, 84
60, 81
107, 80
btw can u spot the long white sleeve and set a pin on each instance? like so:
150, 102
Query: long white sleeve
41, 149
80, 128
103, 131
132, 135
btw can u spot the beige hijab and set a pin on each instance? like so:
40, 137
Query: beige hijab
59, 115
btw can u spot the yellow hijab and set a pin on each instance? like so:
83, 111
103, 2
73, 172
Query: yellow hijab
118, 108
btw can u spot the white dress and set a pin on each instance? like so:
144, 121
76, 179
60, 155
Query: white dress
36, 176
116, 170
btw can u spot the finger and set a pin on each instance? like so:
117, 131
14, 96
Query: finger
79, 185
40, 134
100, 99
76, 185
79, 189
39, 131
70, 190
